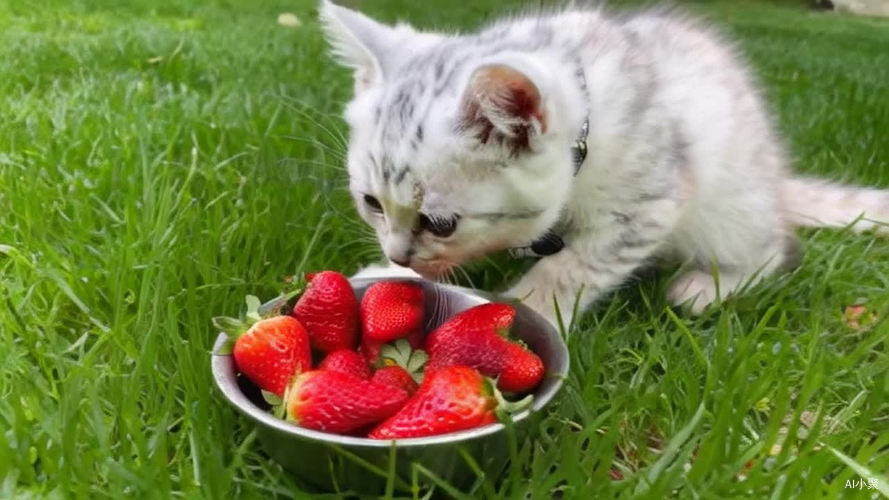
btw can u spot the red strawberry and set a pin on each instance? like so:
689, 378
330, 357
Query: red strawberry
449, 400
329, 310
396, 376
268, 351
391, 310
522, 369
491, 315
346, 361
473, 338
339, 402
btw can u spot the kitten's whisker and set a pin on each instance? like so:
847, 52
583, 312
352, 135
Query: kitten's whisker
465, 275
339, 141
338, 136
336, 152
441, 306
448, 276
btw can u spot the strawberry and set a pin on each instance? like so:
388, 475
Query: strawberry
329, 310
397, 376
339, 402
268, 351
391, 310
474, 338
491, 315
451, 399
522, 369
346, 361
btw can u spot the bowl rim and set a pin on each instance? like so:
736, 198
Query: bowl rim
225, 377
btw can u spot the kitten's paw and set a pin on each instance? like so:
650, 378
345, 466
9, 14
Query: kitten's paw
695, 289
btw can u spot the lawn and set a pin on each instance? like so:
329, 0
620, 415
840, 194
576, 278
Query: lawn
160, 160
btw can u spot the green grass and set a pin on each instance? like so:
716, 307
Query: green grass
160, 160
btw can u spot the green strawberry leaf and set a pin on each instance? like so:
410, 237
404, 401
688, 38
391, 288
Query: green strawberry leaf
230, 326
401, 354
505, 409
398, 353
280, 410
416, 362
271, 398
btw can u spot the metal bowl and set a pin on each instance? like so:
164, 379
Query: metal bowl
333, 462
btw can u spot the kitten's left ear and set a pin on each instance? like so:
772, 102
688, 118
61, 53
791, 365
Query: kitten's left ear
503, 105
357, 41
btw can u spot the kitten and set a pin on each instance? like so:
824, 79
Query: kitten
465, 144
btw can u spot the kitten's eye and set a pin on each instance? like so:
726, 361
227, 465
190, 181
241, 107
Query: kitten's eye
373, 203
439, 226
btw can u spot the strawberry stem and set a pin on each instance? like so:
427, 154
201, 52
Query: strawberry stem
511, 407
230, 326
274, 306
503, 332
505, 409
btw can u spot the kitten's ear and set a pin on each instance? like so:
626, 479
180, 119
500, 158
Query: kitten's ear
357, 41
502, 105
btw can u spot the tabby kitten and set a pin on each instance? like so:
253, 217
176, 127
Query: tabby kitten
600, 142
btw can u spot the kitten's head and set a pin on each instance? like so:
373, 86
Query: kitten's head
452, 154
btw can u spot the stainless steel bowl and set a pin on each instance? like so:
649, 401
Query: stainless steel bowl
333, 462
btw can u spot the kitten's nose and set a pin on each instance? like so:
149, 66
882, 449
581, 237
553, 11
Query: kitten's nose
401, 261
398, 248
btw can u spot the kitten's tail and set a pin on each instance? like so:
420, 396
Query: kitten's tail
817, 203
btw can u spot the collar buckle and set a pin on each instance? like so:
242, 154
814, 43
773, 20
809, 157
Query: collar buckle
579, 149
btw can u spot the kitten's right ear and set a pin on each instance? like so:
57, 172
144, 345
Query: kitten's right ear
502, 105
357, 41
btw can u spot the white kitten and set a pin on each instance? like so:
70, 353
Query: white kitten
466, 144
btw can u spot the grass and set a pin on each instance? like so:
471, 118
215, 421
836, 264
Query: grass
160, 160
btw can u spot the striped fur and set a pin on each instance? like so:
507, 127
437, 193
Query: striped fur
683, 158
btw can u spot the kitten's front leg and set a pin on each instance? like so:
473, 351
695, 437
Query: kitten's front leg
596, 261
568, 278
